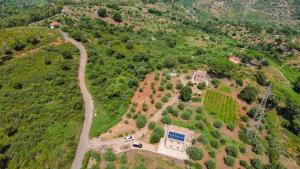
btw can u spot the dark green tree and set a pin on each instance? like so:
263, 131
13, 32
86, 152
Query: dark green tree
186, 93
117, 17
102, 12
248, 94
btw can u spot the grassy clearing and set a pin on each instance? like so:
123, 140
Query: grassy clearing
225, 89
224, 107
41, 109
9, 37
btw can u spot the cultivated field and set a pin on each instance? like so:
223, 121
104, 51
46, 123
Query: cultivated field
224, 107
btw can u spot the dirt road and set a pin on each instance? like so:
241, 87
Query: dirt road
83, 145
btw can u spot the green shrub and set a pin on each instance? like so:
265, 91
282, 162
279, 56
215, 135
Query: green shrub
186, 93
251, 113
212, 154
157, 133
117, 17
171, 110
216, 134
256, 163
218, 124
180, 106
245, 118
124, 167
158, 105
200, 125
216, 82
165, 99
145, 106
202, 139
109, 155
194, 153
141, 121
201, 86
169, 86
179, 86
243, 163
248, 94
102, 12
230, 161
242, 149
161, 87
186, 115
232, 150
188, 77
210, 164
258, 148
215, 143
151, 125
231, 126
223, 141
239, 82
110, 166
123, 159
193, 164
156, 76
166, 120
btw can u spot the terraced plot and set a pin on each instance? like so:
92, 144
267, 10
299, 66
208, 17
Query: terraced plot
224, 107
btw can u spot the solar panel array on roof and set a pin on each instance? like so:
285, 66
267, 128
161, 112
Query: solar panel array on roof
176, 136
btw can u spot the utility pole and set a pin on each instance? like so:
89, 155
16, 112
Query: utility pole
252, 129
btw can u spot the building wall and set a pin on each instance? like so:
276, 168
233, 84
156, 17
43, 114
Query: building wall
171, 144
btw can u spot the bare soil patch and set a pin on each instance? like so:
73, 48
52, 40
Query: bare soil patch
142, 95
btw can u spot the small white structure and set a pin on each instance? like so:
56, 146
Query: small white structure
54, 25
199, 76
234, 59
173, 73
178, 138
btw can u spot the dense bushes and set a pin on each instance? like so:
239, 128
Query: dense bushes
141, 121
194, 153
46, 121
109, 155
210, 164
117, 17
26, 16
102, 12
157, 133
297, 85
232, 151
248, 94
186, 93
230, 161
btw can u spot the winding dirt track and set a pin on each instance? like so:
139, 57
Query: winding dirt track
83, 145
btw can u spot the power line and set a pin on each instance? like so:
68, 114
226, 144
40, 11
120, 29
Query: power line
254, 126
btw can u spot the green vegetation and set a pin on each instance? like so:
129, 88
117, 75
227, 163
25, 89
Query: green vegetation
230, 161
194, 153
157, 133
248, 94
186, 93
91, 155
13, 15
102, 12
210, 164
223, 107
41, 108
28, 38
141, 121
110, 155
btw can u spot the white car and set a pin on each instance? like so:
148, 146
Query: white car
129, 138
